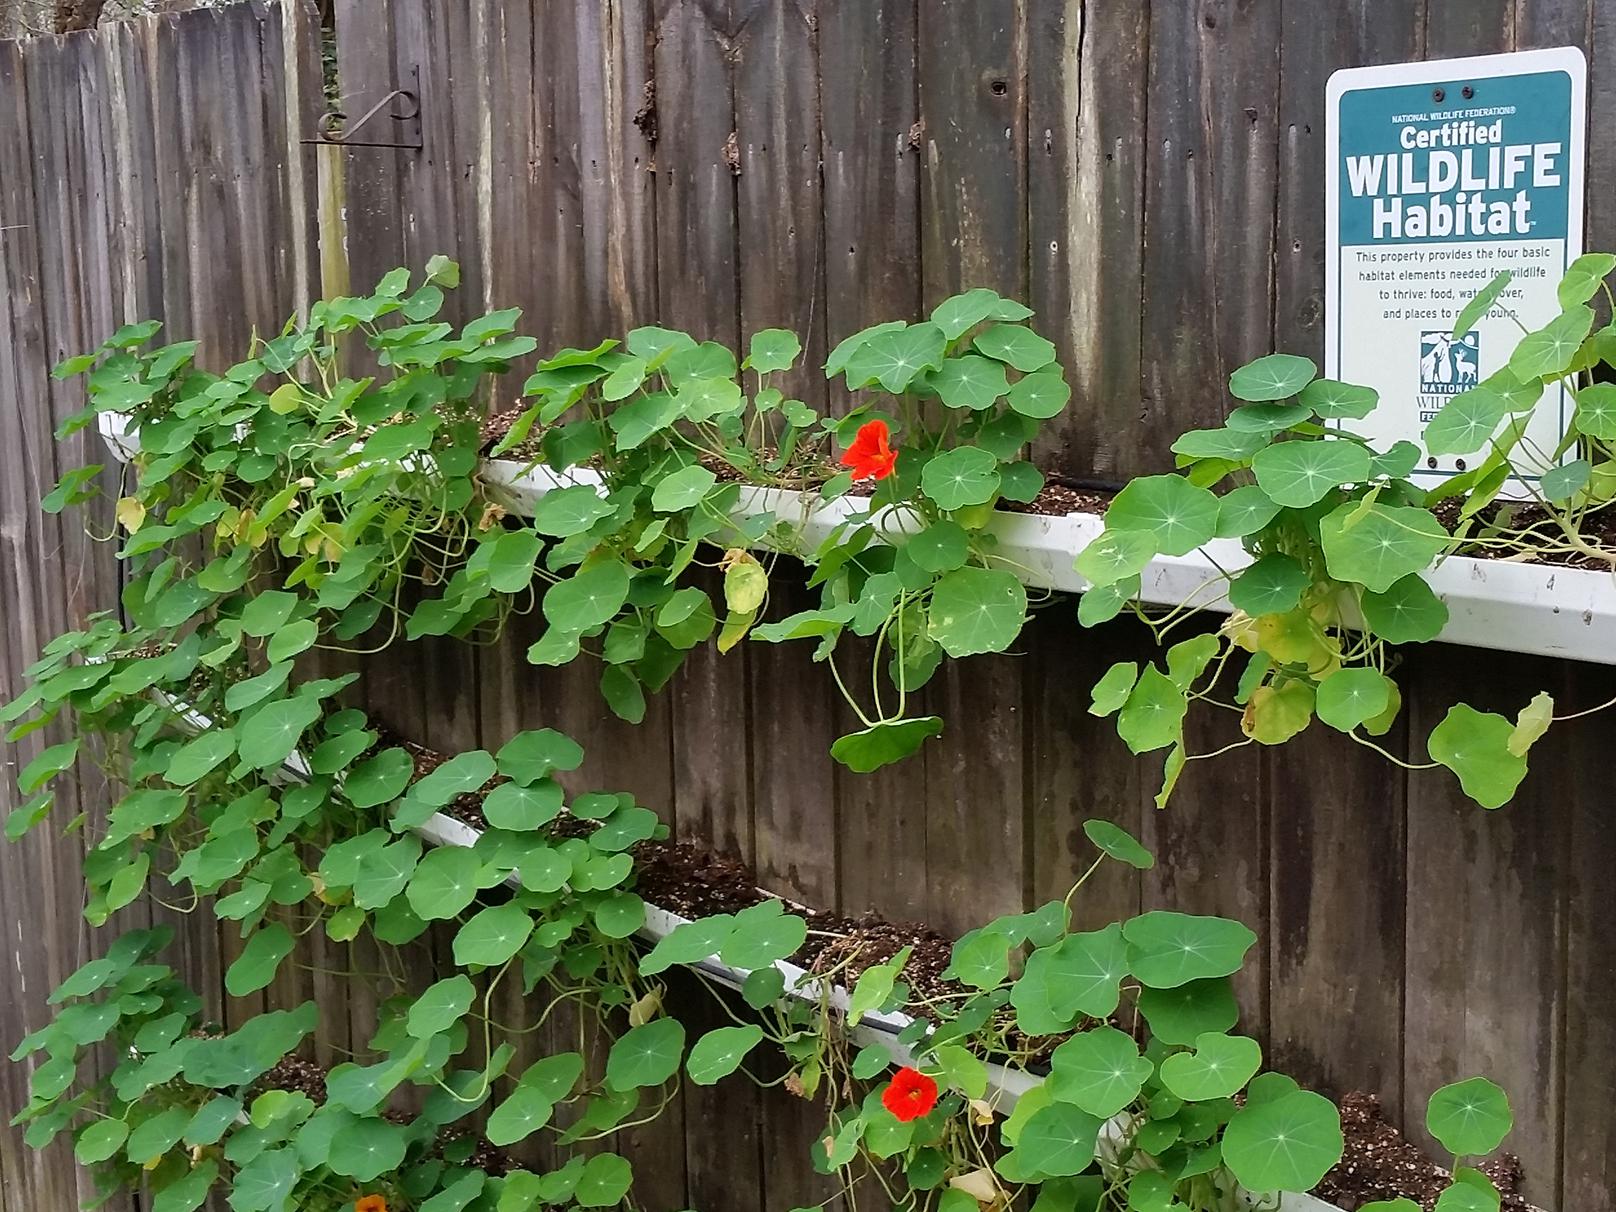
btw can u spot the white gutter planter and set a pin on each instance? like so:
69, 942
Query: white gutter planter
1507, 606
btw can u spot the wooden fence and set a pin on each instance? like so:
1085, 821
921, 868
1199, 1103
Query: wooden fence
1147, 175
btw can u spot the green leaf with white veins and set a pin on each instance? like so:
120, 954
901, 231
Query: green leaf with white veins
1379, 545
1596, 411
1334, 400
1220, 1067
1549, 351
1040, 395
589, 599
379, 779
268, 737
1116, 554
1466, 423
493, 936
530, 756
1167, 949
1469, 1118
895, 359
1284, 1144
1407, 613
562, 512
440, 1007
645, 1056
197, 757
969, 382
1079, 976
258, 962
683, 489
1275, 377
1057, 1142
1273, 585
966, 475
975, 610
958, 315
772, 349
1153, 716
1475, 746
1299, 474
720, 1052
522, 808
1349, 698
1099, 1070
443, 883
1015, 346
848, 346
1180, 515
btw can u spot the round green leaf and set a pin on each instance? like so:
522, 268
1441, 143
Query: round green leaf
365, 1149
1377, 545
1287, 1144
619, 915
379, 779
522, 808
762, 935
255, 967
1275, 377
523, 1113
606, 1178
1099, 1070
589, 599
1407, 613
530, 756
941, 547
1596, 411
1244, 510
1470, 1118
99, 1141
1301, 473
883, 743
1020, 482
1168, 949
462, 773
1180, 515
1549, 351
966, 475
1016, 346
1057, 1142
493, 935
1081, 975
720, 1052
384, 872
1560, 483
1115, 555
1230, 444
511, 560
1466, 423
1333, 400
647, 1055
1153, 716
969, 382
681, 490
1349, 698
1119, 844
1267, 419
975, 610
1180, 1014
1111, 692
1475, 746
772, 349
1273, 585
268, 737
1220, 1067
440, 1007
443, 883
196, 758
895, 358
961, 313
563, 512
1040, 395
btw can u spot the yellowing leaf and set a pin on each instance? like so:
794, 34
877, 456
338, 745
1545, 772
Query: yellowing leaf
131, 513
286, 398
745, 584
735, 628
978, 1184
644, 1010
1277, 713
1532, 722
1293, 638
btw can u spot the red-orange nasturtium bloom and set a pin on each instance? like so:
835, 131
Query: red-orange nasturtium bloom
871, 456
909, 1095
370, 1203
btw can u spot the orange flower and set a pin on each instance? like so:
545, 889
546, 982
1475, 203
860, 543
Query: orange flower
370, 1203
909, 1095
871, 455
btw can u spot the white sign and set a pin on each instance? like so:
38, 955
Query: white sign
1440, 176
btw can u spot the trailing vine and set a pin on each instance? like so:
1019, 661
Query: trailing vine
293, 505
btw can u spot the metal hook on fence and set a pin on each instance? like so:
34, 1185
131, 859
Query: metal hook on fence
334, 127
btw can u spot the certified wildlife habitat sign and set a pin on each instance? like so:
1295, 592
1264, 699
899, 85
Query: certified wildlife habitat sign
1440, 176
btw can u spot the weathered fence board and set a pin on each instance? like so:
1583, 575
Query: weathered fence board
1147, 175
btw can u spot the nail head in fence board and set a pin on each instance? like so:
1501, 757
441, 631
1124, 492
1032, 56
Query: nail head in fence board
1486, 929
1085, 181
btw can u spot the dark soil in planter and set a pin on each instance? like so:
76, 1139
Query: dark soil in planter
1597, 529
1379, 1163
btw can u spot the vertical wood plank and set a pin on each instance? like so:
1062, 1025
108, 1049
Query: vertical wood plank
973, 107
1085, 177
1486, 919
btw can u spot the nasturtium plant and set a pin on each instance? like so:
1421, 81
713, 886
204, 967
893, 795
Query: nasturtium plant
1320, 544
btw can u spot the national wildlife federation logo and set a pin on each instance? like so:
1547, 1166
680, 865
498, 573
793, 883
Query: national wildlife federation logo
1448, 363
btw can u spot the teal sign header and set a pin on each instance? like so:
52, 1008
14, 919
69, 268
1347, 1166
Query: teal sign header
1492, 166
